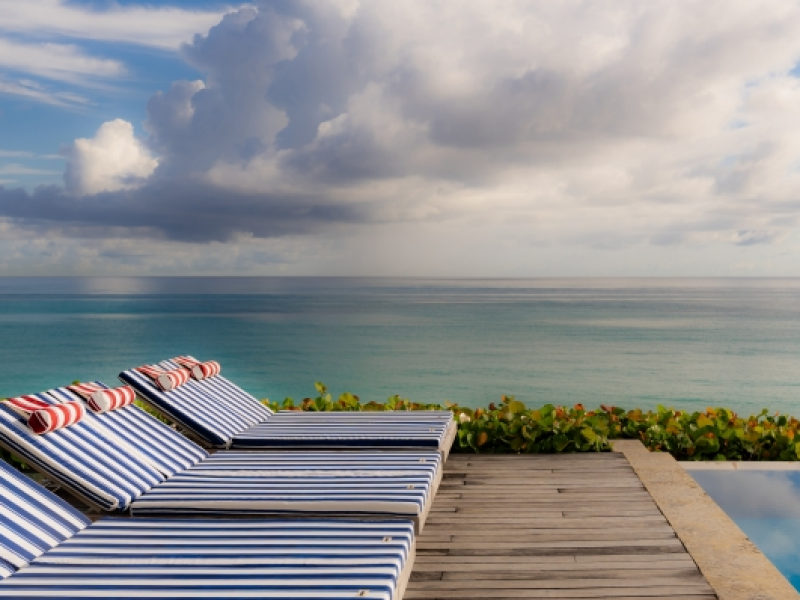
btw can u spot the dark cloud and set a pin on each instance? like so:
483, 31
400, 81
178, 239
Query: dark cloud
198, 213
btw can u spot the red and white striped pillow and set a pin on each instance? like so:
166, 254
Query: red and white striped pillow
43, 417
200, 370
166, 380
101, 399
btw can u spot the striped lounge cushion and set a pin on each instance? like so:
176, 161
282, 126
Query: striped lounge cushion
194, 409
44, 418
6, 568
295, 429
292, 429
278, 559
165, 379
101, 399
82, 457
222, 390
199, 370
340, 483
32, 520
163, 447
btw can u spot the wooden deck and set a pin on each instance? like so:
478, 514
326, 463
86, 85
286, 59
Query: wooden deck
544, 526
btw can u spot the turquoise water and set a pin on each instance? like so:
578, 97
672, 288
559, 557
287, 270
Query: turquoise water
630, 342
766, 506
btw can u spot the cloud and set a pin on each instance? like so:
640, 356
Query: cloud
16, 169
160, 27
59, 62
24, 154
584, 128
112, 160
33, 91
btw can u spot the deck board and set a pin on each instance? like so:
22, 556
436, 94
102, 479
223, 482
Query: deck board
548, 526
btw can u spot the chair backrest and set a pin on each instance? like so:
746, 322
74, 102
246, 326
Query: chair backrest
157, 443
224, 391
32, 520
192, 407
81, 457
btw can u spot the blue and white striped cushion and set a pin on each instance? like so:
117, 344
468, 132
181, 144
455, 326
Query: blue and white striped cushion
341, 483
192, 408
6, 569
278, 559
224, 391
294, 429
82, 458
206, 407
220, 389
32, 520
307, 430
375, 462
163, 447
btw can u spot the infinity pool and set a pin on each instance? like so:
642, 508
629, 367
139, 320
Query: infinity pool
765, 504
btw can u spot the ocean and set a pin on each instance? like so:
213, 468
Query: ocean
687, 343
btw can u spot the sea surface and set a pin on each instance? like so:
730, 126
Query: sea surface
687, 343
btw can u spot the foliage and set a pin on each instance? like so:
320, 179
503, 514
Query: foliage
716, 434
347, 402
12, 459
512, 427
152, 412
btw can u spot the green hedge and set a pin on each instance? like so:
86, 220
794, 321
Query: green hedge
715, 434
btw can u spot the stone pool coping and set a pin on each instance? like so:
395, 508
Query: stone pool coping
734, 465
732, 564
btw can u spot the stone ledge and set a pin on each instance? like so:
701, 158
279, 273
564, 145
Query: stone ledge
732, 564
736, 465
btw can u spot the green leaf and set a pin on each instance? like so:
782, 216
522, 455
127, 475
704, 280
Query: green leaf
516, 407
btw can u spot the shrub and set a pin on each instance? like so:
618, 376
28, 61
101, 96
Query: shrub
347, 402
716, 434
512, 427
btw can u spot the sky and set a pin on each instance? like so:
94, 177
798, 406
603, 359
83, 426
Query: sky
441, 138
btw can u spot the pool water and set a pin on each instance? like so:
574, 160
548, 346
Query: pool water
766, 506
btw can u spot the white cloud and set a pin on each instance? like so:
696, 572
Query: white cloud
60, 62
38, 93
16, 169
112, 160
25, 154
160, 27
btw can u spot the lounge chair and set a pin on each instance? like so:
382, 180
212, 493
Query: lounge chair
220, 414
126, 460
50, 550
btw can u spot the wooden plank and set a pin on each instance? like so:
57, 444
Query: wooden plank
533, 500
517, 546
692, 580
538, 567
593, 536
651, 576
694, 592
563, 533
536, 521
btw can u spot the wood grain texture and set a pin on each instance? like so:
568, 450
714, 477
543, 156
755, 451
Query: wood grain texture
549, 526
